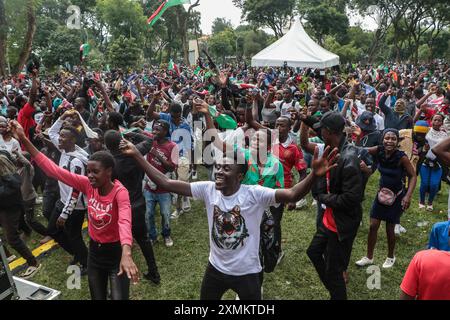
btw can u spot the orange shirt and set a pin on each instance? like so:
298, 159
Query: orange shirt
428, 276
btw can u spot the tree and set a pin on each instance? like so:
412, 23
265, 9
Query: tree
124, 53
221, 24
123, 17
222, 44
276, 15
63, 47
183, 18
323, 19
28, 42
347, 53
3, 38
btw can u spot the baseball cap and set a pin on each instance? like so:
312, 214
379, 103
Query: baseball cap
366, 122
331, 120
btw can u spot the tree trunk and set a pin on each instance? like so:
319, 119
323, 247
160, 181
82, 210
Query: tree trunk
3, 38
28, 43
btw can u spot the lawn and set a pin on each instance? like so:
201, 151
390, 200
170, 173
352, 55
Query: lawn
182, 266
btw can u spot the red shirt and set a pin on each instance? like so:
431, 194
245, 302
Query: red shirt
290, 157
328, 218
26, 119
169, 152
428, 276
109, 216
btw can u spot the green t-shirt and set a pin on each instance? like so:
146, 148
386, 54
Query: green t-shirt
272, 175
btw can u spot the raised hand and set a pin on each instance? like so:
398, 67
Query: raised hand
16, 130
201, 106
321, 166
128, 148
223, 78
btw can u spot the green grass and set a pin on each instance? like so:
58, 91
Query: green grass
182, 266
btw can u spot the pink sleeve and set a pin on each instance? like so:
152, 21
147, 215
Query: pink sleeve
410, 283
76, 181
124, 221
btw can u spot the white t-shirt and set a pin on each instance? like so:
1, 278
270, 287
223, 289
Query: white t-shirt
10, 145
234, 223
379, 120
284, 106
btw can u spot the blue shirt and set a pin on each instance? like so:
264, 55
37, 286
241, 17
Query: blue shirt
439, 238
181, 134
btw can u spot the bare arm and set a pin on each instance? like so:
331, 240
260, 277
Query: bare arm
175, 186
442, 151
412, 181
319, 168
304, 139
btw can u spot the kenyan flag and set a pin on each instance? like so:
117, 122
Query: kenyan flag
84, 51
162, 8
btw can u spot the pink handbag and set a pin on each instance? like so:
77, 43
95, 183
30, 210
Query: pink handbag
387, 197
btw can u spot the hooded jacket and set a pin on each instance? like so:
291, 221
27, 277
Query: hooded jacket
74, 162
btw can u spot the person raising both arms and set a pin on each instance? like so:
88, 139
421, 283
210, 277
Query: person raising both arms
109, 220
392, 199
234, 215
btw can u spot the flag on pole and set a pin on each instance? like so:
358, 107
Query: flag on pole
166, 4
173, 66
84, 51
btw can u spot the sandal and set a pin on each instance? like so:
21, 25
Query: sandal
30, 272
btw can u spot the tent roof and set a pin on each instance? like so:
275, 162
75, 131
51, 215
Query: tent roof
297, 49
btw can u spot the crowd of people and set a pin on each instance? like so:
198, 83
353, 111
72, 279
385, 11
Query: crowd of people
109, 146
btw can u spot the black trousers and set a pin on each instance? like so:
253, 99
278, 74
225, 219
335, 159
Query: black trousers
103, 267
277, 213
216, 283
30, 218
49, 199
330, 258
10, 221
70, 237
140, 233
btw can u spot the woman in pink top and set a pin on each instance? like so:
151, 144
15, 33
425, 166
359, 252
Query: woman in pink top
109, 213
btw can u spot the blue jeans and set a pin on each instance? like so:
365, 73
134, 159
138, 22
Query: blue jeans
429, 183
165, 202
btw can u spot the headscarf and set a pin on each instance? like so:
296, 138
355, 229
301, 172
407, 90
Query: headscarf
390, 130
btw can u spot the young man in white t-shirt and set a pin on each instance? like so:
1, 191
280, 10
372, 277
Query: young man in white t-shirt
234, 215
287, 102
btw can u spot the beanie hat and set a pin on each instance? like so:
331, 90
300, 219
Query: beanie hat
421, 127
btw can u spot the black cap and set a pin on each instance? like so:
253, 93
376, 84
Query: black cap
331, 120
366, 122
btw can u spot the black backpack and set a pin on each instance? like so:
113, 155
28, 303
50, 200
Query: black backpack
269, 248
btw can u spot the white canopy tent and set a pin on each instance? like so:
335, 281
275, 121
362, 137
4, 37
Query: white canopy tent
297, 49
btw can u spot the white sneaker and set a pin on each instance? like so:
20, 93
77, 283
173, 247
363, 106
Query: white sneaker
11, 258
364, 262
176, 214
430, 208
168, 241
186, 205
402, 230
389, 263
421, 206
397, 230
39, 200
194, 175
301, 204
